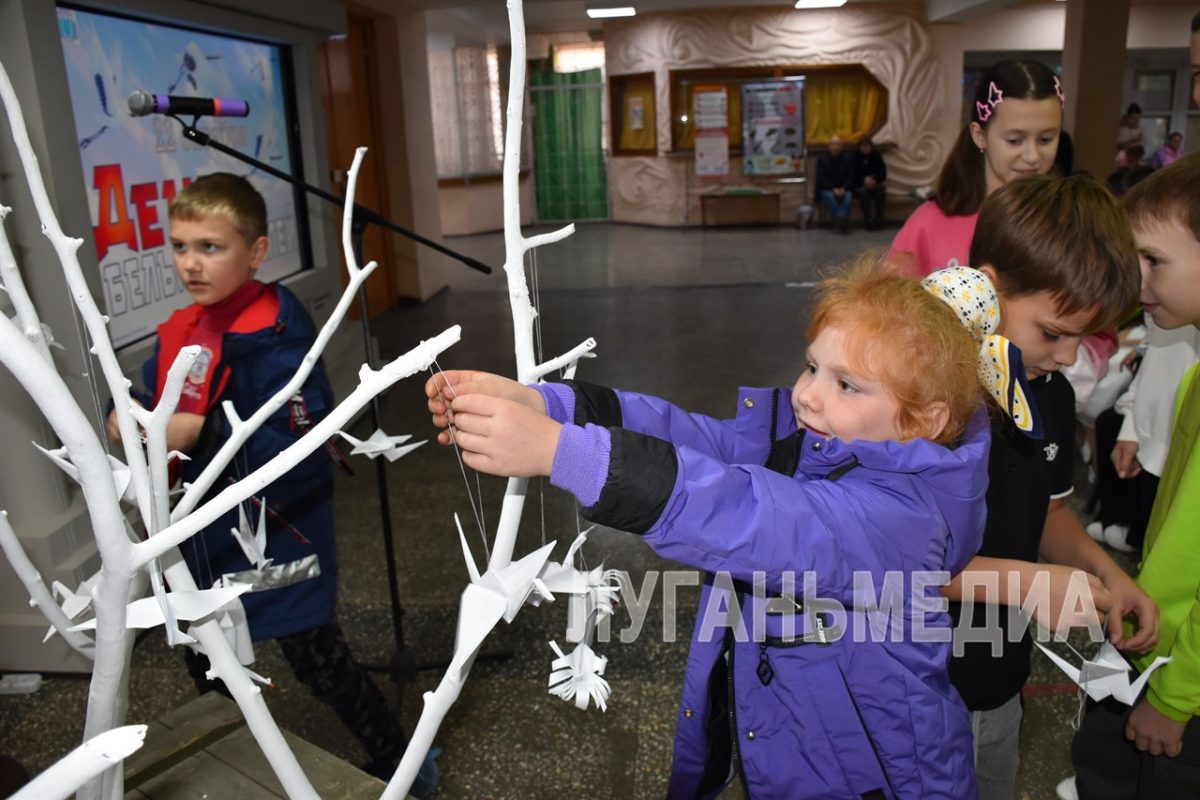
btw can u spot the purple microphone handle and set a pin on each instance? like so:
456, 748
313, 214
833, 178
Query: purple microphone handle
212, 107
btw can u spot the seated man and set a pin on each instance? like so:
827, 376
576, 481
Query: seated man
835, 178
870, 175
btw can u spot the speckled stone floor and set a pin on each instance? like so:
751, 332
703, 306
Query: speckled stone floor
687, 315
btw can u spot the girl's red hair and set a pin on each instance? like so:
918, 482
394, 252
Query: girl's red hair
907, 339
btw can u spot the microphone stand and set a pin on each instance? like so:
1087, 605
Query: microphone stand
403, 666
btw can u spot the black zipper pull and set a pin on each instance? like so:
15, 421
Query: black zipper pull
766, 673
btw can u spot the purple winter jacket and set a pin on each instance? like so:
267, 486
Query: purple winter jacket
839, 705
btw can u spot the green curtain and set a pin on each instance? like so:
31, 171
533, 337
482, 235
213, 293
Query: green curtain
568, 155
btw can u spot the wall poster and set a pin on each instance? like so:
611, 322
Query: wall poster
710, 119
773, 127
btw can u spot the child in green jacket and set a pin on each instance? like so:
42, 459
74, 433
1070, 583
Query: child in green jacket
1153, 749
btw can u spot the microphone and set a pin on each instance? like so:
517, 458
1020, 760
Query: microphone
142, 104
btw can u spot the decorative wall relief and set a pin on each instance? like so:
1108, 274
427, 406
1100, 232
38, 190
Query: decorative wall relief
891, 40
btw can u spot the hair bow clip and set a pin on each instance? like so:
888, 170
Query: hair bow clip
973, 298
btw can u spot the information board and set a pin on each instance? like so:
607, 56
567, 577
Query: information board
773, 127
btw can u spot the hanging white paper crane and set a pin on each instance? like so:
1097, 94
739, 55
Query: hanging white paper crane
74, 602
121, 473
187, 606
381, 444
1106, 675
253, 541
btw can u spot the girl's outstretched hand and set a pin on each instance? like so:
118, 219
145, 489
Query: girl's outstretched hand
444, 386
505, 437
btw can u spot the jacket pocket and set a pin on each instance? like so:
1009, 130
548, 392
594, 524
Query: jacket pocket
854, 749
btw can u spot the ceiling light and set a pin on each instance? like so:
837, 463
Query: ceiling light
820, 3
620, 11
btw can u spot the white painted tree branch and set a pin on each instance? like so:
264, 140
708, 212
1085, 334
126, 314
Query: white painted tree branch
155, 425
106, 702
208, 634
348, 215
40, 597
118, 576
74, 430
371, 383
14, 285
515, 245
67, 248
565, 360
531, 242
101, 752
438, 702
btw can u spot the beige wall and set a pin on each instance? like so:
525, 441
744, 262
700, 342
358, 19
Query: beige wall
479, 207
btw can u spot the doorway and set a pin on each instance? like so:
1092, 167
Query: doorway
569, 168
350, 96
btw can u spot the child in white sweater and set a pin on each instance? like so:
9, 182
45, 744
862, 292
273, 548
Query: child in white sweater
1141, 422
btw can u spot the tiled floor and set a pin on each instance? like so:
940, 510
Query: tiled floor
688, 315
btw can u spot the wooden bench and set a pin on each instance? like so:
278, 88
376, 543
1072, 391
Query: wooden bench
739, 208
204, 750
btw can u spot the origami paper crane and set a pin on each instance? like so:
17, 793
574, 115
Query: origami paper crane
121, 477
75, 602
187, 606
1107, 674
232, 619
253, 541
380, 444
497, 594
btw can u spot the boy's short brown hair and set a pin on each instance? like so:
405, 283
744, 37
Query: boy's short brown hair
910, 341
1065, 236
1171, 193
227, 195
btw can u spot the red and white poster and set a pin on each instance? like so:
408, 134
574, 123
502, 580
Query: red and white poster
710, 118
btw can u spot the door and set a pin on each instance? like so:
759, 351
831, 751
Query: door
350, 95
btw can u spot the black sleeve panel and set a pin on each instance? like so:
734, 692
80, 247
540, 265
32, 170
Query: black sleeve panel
595, 404
641, 476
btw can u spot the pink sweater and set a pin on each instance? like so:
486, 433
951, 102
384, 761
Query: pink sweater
931, 240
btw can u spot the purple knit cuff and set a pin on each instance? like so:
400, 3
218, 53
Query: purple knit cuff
581, 461
560, 401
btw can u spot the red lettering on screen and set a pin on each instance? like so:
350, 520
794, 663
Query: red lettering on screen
115, 226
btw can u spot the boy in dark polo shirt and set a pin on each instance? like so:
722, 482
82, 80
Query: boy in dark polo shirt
1063, 261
